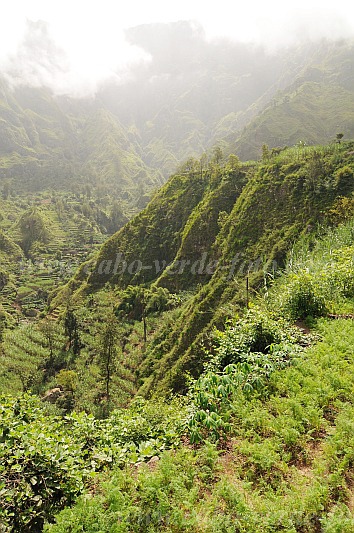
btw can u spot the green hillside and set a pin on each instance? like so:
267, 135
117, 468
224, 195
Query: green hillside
268, 421
171, 274
177, 354
44, 237
312, 110
203, 232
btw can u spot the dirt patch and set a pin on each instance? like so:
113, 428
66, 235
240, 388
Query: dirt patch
302, 327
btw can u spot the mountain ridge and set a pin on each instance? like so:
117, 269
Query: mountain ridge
133, 136
243, 219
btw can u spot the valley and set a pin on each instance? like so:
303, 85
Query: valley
177, 294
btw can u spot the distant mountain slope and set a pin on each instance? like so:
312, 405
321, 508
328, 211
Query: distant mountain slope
192, 94
45, 144
317, 106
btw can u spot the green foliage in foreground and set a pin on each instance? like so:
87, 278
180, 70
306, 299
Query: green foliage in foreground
45, 460
42, 467
285, 467
280, 414
288, 437
247, 353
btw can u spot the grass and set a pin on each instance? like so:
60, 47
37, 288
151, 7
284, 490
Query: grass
285, 461
287, 466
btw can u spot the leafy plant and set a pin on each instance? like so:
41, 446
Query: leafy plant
302, 298
41, 466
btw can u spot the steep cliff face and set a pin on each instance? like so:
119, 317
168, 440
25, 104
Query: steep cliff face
289, 195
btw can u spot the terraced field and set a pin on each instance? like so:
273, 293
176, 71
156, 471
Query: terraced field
72, 237
34, 352
25, 352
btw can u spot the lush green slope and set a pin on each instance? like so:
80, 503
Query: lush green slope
157, 229
283, 198
43, 238
263, 442
210, 230
180, 223
287, 464
312, 110
202, 232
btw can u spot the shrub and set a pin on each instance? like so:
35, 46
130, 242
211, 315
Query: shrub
344, 179
302, 298
256, 332
41, 466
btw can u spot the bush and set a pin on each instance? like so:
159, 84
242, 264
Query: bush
302, 298
256, 332
344, 179
41, 466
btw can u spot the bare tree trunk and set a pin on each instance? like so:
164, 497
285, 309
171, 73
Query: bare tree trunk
145, 328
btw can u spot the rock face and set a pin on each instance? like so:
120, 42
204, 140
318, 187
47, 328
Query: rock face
153, 462
52, 395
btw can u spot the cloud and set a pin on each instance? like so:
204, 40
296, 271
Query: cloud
74, 46
38, 61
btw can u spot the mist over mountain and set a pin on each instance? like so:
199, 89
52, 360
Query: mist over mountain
176, 267
192, 93
38, 61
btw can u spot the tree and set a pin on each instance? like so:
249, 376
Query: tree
33, 228
339, 137
136, 303
49, 330
217, 155
342, 210
60, 208
344, 178
116, 217
3, 279
6, 190
68, 380
72, 331
107, 351
265, 152
190, 165
233, 162
2, 328
203, 163
133, 305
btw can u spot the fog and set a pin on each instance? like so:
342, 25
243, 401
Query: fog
76, 47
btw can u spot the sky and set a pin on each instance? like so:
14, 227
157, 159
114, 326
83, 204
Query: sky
74, 45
